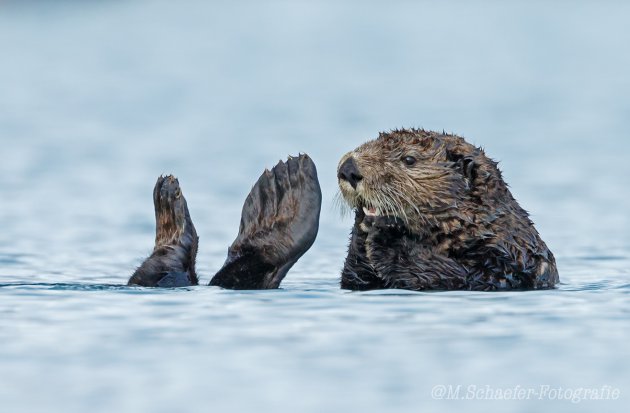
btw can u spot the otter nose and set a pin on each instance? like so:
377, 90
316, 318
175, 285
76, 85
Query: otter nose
348, 171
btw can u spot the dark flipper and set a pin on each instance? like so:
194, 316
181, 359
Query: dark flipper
279, 223
172, 263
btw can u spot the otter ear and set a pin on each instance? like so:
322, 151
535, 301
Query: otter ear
471, 162
464, 161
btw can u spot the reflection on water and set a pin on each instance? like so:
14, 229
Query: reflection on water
99, 98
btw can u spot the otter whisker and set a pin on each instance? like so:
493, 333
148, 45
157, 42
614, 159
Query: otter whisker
388, 204
432, 177
342, 205
409, 202
393, 197
399, 208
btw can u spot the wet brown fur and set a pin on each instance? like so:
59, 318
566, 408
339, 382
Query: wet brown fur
447, 222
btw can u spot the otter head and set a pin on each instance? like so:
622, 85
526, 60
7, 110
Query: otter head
418, 176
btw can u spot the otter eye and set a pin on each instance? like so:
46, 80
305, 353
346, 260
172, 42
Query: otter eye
409, 160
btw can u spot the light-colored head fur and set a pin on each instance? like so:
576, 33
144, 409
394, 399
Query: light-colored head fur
419, 176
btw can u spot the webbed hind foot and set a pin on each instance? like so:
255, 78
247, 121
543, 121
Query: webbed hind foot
172, 263
279, 223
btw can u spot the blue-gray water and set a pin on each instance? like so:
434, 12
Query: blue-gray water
99, 98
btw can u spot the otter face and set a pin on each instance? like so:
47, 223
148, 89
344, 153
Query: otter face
414, 175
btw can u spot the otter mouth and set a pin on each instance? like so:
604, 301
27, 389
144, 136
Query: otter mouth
372, 211
371, 208
362, 211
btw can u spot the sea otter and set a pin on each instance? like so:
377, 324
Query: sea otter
279, 223
432, 212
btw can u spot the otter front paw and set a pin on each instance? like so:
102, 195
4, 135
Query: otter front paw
386, 225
